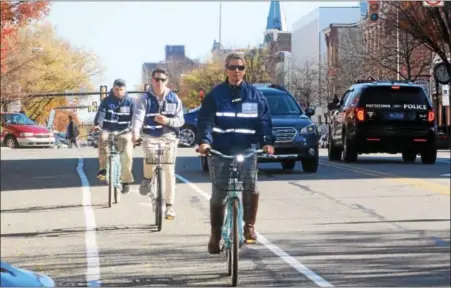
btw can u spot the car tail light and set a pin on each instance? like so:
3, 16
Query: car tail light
360, 114
431, 116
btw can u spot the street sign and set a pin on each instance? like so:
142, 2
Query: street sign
445, 95
433, 3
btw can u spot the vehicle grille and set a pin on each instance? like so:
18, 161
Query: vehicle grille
284, 134
41, 135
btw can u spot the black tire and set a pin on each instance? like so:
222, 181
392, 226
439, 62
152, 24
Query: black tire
235, 243
110, 182
191, 132
310, 165
409, 157
333, 152
429, 157
349, 149
288, 164
159, 204
11, 142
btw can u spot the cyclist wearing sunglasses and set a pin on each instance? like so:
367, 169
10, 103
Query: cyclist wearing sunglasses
115, 115
159, 113
233, 117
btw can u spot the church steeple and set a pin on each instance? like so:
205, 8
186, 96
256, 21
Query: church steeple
276, 17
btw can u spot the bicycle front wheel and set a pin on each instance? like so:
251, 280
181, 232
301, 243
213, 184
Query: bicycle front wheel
117, 169
235, 243
159, 200
110, 181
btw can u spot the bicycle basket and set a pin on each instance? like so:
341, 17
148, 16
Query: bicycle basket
222, 174
166, 153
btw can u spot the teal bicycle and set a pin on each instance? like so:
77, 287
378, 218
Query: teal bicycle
113, 168
232, 229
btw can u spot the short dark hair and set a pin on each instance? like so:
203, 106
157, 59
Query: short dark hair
159, 71
119, 83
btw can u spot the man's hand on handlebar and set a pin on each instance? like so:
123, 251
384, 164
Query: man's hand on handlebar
268, 149
203, 148
97, 128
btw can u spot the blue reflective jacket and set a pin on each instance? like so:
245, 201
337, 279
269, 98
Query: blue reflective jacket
232, 119
115, 114
170, 107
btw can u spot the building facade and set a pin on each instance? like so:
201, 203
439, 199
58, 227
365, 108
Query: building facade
308, 44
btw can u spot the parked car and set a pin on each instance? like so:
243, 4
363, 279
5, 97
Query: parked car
296, 135
188, 131
20, 131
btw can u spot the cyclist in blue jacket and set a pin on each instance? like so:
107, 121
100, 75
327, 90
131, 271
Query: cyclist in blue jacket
115, 115
233, 117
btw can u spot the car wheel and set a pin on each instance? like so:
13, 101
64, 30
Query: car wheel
310, 165
349, 150
288, 164
333, 152
188, 136
11, 142
409, 157
429, 156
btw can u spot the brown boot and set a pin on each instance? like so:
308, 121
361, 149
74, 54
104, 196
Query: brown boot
216, 220
250, 214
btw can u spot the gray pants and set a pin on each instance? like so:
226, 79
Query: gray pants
219, 175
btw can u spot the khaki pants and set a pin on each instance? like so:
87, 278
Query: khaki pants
125, 145
168, 169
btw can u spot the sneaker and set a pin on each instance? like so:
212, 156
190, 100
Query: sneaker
125, 188
101, 174
170, 213
146, 186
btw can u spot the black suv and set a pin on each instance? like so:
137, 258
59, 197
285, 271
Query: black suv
383, 117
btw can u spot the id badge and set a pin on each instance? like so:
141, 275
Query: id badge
124, 110
170, 108
249, 108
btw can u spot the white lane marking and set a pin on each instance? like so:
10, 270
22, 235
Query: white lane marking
301, 268
446, 175
92, 253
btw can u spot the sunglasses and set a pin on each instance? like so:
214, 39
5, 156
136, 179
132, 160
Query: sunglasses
234, 67
159, 79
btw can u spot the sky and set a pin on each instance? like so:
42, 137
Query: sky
126, 34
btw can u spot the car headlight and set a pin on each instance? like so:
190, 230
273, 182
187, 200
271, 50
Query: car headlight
308, 129
26, 134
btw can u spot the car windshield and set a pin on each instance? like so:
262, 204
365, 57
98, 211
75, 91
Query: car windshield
387, 95
17, 119
282, 104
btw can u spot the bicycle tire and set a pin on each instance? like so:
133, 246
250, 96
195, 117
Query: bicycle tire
110, 181
235, 243
159, 202
117, 193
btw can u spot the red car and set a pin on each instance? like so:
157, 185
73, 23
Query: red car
17, 130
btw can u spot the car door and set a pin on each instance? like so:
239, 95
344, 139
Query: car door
338, 118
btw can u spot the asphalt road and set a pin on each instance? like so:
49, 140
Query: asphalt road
377, 222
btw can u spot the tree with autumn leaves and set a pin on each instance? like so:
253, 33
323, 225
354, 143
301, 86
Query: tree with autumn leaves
37, 60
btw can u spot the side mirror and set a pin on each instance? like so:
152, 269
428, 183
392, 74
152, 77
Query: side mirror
332, 106
309, 112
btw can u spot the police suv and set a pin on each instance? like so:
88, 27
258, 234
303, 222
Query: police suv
383, 117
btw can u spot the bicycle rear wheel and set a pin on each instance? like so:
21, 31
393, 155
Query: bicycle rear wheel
117, 169
110, 181
235, 243
159, 200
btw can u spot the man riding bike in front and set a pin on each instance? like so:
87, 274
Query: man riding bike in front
115, 115
159, 113
233, 118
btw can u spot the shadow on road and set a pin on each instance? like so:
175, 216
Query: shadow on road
35, 174
345, 258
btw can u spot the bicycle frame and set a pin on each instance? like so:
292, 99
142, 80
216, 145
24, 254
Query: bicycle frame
232, 195
114, 153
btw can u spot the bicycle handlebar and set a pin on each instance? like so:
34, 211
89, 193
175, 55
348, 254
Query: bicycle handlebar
240, 156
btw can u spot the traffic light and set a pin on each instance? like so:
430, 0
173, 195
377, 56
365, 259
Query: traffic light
373, 10
103, 92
